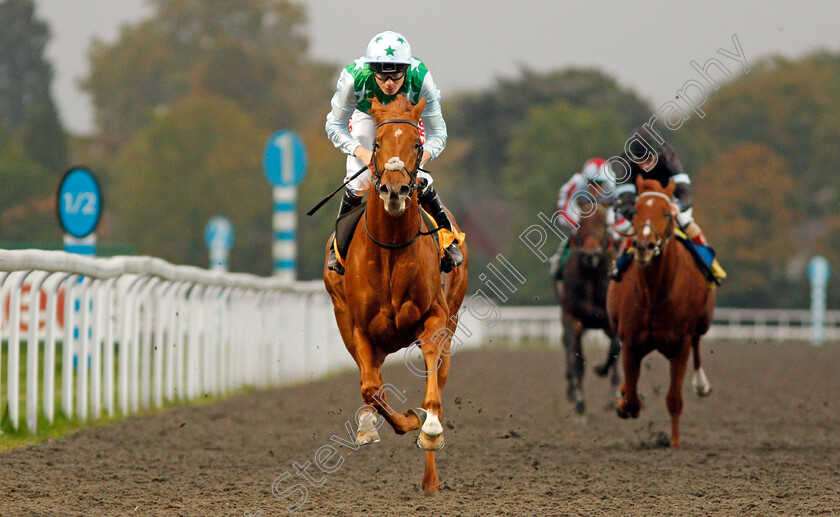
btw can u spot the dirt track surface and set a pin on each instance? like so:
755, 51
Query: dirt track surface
766, 442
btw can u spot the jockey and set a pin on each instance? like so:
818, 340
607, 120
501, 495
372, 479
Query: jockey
659, 163
386, 70
595, 179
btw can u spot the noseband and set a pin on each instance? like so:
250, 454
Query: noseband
412, 175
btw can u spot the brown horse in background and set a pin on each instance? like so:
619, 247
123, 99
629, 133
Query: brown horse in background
583, 299
390, 295
663, 303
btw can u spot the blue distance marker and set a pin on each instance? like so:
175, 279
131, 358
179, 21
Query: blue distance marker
284, 164
218, 236
79, 207
819, 272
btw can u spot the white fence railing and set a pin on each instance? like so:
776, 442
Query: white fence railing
541, 323
124, 333
103, 335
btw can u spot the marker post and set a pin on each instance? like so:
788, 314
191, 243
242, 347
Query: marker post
284, 164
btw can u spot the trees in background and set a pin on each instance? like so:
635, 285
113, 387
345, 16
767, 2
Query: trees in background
33, 144
252, 52
789, 107
185, 168
186, 100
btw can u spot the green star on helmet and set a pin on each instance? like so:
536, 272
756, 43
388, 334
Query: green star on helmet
401, 40
378, 39
389, 51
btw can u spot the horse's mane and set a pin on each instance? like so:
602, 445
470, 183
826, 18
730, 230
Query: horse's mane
397, 108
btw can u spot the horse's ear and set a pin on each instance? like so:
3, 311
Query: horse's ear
376, 108
640, 184
418, 108
669, 190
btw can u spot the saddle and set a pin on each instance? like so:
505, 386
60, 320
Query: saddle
704, 257
345, 227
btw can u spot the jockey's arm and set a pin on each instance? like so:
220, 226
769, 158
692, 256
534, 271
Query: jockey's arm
626, 204
342, 106
682, 192
433, 123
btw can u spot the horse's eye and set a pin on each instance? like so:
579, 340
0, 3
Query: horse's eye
375, 144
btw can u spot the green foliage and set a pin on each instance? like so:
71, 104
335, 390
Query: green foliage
24, 74
27, 199
489, 118
44, 139
186, 167
790, 107
745, 191
547, 148
251, 52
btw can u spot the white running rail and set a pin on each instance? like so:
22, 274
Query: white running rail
541, 323
136, 332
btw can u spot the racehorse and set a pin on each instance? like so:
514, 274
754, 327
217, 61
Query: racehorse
663, 303
391, 295
583, 299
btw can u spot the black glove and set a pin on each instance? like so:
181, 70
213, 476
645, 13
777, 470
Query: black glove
626, 205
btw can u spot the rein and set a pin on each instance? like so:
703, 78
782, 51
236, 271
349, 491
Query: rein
402, 244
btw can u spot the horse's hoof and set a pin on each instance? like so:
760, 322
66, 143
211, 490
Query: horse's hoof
700, 383
365, 438
580, 407
602, 370
367, 432
626, 412
430, 443
419, 413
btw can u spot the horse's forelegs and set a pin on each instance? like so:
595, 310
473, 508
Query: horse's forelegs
572, 333
673, 400
374, 391
434, 344
699, 382
629, 404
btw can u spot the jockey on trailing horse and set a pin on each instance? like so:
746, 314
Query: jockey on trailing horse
661, 164
386, 70
595, 179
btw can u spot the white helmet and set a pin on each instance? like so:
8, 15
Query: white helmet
596, 169
387, 51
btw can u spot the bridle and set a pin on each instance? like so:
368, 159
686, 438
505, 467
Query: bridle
606, 242
661, 241
658, 247
412, 175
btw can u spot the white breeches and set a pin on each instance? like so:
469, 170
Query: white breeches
363, 128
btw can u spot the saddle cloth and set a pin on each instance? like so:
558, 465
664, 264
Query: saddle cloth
704, 257
345, 227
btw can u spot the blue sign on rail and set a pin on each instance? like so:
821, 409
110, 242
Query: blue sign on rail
79, 203
218, 234
284, 161
818, 269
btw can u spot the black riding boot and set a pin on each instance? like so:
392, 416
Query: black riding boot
348, 202
430, 201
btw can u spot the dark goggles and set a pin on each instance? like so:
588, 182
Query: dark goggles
394, 76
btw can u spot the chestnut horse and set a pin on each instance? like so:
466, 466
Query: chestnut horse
391, 295
663, 303
583, 299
